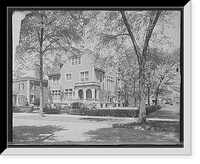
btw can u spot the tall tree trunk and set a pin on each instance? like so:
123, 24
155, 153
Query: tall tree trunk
135, 99
148, 96
156, 99
41, 74
41, 87
126, 96
142, 112
142, 57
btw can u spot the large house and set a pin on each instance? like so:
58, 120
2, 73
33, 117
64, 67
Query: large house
83, 78
27, 89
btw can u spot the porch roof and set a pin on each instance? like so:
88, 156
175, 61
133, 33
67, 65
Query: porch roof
87, 84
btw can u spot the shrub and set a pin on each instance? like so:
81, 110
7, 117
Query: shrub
16, 109
105, 112
36, 102
77, 105
50, 108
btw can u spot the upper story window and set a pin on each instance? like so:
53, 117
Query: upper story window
84, 76
32, 86
110, 83
56, 80
21, 86
68, 76
76, 60
101, 77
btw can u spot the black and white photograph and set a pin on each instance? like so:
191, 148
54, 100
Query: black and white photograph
97, 77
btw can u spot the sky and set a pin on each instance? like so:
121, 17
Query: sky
16, 24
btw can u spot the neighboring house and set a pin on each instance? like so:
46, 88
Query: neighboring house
82, 78
27, 89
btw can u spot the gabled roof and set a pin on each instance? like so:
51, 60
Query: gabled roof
97, 61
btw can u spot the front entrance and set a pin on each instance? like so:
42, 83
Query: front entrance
80, 94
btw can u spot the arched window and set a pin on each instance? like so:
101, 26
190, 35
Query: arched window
88, 93
80, 94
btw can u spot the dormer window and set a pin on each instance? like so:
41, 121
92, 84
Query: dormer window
76, 60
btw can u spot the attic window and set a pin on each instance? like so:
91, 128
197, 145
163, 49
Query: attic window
76, 60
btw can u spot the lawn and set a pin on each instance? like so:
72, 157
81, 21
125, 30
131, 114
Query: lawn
130, 136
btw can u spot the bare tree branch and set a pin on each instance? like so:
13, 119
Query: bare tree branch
136, 48
150, 28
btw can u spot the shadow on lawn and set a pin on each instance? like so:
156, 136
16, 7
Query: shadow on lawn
117, 136
34, 134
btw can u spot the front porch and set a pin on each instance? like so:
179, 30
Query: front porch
87, 92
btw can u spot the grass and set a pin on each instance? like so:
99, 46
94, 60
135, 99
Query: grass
131, 136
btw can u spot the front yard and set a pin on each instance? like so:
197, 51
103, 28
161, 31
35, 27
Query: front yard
63, 129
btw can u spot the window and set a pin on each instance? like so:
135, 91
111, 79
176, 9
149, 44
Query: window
79, 60
32, 98
88, 93
76, 60
101, 77
68, 94
68, 76
55, 95
56, 80
32, 86
87, 76
84, 76
80, 94
21, 86
110, 83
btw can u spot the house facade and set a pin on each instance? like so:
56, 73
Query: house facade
82, 78
27, 89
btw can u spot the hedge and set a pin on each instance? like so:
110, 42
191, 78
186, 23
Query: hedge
104, 112
110, 112
47, 110
21, 109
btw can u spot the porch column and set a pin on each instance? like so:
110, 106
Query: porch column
93, 94
84, 93
97, 94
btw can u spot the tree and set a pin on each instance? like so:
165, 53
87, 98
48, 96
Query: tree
166, 73
43, 32
128, 74
137, 27
141, 56
161, 72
